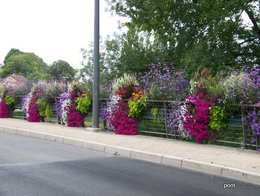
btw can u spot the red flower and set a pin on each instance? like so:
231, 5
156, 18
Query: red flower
120, 120
33, 111
4, 110
196, 123
75, 118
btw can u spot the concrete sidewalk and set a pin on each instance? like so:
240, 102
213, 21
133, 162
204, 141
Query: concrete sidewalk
228, 162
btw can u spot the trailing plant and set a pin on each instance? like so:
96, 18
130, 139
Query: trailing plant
61, 106
26, 100
75, 118
175, 119
10, 100
33, 113
119, 120
253, 118
48, 111
196, 120
44, 107
4, 110
137, 104
83, 102
218, 117
42, 103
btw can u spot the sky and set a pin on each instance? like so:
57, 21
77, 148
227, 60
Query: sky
52, 29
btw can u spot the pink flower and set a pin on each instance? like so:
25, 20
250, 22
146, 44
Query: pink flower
120, 121
33, 111
4, 110
196, 122
75, 118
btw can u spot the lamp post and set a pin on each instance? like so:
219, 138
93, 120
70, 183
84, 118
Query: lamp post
95, 114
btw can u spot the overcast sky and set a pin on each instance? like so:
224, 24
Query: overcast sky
52, 29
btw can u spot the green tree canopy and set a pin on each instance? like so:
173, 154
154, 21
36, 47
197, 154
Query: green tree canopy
60, 69
130, 52
207, 33
27, 64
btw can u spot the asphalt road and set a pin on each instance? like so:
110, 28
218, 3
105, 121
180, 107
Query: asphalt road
32, 167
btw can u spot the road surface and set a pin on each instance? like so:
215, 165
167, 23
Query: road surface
32, 167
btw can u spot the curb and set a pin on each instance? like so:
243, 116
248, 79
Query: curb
213, 169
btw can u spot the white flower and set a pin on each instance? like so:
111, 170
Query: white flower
26, 104
64, 111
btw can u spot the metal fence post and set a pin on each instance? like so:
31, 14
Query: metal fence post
165, 117
243, 145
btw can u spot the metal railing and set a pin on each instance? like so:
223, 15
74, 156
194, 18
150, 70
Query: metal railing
236, 133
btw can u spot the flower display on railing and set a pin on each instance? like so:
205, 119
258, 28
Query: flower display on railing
72, 106
196, 119
203, 116
121, 114
62, 107
37, 104
7, 101
4, 110
26, 100
176, 118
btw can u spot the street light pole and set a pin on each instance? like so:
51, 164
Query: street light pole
95, 114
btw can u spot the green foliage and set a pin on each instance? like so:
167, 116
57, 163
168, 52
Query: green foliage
10, 100
218, 117
130, 52
48, 111
27, 64
136, 106
155, 113
213, 85
60, 69
198, 33
12, 52
42, 104
44, 108
83, 103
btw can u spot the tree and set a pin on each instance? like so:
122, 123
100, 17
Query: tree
27, 64
12, 52
130, 52
199, 32
60, 69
